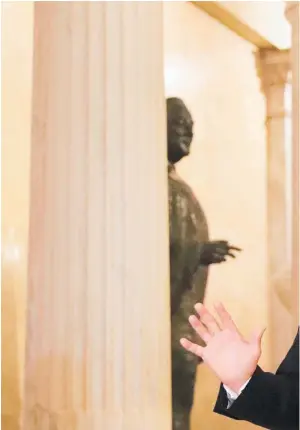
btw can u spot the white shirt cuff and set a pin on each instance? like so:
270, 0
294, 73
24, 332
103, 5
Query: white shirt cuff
231, 395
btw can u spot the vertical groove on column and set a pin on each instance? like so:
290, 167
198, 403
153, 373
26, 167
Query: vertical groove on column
77, 224
97, 263
115, 214
58, 126
132, 213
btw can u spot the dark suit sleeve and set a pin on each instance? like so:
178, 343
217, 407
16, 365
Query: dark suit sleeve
270, 401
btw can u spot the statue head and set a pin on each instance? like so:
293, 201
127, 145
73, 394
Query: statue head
179, 129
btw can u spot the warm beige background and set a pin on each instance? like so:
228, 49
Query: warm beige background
216, 76
16, 111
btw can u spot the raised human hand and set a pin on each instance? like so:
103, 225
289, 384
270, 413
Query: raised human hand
216, 251
231, 357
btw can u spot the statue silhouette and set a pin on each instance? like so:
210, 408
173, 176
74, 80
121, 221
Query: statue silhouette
191, 253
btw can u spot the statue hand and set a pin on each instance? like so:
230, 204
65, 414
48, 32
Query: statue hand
216, 251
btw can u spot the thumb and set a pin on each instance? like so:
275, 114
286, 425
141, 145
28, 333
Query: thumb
256, 337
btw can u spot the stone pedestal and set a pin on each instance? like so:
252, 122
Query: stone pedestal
98, 355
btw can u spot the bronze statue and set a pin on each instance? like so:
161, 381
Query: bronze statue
191, 253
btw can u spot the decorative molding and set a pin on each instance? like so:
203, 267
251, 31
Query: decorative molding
273, 68
216, 10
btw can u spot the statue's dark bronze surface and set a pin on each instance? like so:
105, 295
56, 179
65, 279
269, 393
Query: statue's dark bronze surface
191, 252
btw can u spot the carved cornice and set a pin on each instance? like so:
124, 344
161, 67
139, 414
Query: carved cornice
273, 67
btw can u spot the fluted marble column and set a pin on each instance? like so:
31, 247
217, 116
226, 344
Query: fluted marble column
98, 309
274, 68
293, 15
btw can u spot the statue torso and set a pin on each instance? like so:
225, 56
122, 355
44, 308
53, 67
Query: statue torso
188, 228
186, 214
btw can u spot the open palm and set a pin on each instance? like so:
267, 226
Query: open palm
232, 358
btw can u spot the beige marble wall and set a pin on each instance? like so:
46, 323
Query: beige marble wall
16, 105
214, 71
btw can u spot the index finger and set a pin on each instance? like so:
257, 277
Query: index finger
192, 347
235, 248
